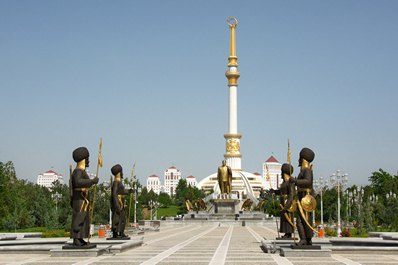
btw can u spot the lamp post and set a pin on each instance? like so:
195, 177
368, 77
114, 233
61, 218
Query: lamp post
57, 197
339, 180
108, 187
136, 191
153, 205
320, 184
348, 198
357, 196
391, 195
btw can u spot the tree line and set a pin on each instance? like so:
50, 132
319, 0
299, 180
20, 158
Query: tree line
24, 204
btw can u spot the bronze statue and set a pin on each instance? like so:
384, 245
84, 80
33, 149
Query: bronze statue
80, 184
118, 204
224, 177
306, 202
287, 191
247, 205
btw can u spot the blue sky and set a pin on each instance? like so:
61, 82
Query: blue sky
148, 77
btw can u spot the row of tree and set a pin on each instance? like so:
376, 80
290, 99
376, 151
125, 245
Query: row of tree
370, 207
25, 205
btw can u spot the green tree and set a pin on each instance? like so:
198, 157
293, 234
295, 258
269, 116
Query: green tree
164, 199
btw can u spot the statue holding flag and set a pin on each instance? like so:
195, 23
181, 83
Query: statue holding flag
80, 184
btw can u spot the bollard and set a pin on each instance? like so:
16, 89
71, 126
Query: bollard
243, 223
101, 231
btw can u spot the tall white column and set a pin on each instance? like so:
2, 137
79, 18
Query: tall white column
232, 155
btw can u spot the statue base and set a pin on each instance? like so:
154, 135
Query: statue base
226, 206
305, 247
118, 238
87, 246
286, 238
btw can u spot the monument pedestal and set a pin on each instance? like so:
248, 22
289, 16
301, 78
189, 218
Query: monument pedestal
226, 206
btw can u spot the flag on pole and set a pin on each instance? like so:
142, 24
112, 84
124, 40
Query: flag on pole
288, 152
99, 153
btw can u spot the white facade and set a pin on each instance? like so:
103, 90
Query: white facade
153, 183
191, 181
47, 178
272, 173
171, 177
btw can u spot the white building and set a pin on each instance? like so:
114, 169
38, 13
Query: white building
47, 178
272, 173
191, 181
171, 177
153, 183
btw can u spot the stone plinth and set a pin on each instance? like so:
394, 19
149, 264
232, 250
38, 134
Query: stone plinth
92, 252
225, 206
289, 252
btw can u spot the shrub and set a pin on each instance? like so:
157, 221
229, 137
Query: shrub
330, 231
345, 232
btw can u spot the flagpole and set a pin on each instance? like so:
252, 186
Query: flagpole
99, 164
132, 176
290, 163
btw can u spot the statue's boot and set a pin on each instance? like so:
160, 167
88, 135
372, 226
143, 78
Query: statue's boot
309, 241
287, 235
122, 234
82, 241
114, 233
77, 243
301, 232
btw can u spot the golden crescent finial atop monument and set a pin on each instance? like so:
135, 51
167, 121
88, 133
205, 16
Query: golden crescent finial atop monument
234, 24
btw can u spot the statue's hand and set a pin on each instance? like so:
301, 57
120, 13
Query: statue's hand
292, 180
95, 180
131, 190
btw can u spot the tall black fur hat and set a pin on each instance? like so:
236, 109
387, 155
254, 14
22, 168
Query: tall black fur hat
287, 169
80, 153
307, 154
116, 169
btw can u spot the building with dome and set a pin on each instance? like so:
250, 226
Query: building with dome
272, 173
191, 181
153, 183
46, 179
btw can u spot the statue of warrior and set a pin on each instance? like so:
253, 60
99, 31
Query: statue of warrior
118, 203
306, 202
286, 197
79, 184
224, 177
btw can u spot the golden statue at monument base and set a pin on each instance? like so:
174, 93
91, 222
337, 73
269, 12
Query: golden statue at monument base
224, 177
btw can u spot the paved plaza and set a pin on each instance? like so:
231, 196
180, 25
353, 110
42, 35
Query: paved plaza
204, 243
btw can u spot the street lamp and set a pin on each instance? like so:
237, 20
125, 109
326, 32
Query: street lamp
357, 198
136, 191
319, 185
391, 195
108, 187
57, 197
153, 204
339, 180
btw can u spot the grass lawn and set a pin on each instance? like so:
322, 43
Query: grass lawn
169, 211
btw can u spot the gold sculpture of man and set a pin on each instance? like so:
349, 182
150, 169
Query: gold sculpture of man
224, 177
